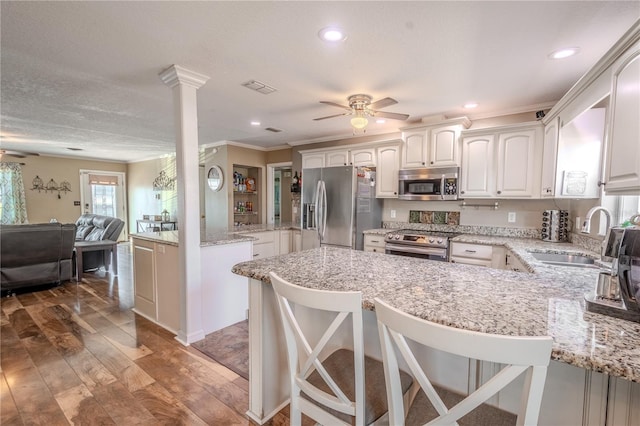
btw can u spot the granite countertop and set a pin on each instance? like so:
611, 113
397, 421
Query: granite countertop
236, 235
549, 300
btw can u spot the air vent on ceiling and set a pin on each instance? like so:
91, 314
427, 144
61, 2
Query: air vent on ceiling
273, 129
259, 86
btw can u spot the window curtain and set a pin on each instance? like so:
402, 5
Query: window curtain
13, 204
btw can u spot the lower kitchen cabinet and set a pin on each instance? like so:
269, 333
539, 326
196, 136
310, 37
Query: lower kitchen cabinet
156, 282
374, 243
273, 243
471, 254
297, 241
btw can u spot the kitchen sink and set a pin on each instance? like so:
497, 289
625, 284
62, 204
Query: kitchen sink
560, 259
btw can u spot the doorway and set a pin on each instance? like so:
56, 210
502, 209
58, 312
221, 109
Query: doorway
279, 200
103, 193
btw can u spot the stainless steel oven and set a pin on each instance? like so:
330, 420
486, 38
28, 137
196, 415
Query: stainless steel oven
428, 184
417, 243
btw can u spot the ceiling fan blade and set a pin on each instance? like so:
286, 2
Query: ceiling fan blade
336, 105
330, 116
385, 102
391, 115
19, 154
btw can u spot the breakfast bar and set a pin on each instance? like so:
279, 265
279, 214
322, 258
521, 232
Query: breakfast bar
594, 375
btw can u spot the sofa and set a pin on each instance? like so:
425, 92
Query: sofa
35, 254
94, 227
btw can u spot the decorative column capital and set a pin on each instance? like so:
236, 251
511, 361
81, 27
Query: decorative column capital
176, 74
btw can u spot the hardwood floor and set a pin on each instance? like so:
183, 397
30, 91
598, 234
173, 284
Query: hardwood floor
77, 354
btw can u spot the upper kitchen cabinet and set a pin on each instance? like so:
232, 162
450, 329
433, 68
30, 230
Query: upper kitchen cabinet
623, 153
363, 157
313, 160
387, 171
337, 158
579, 158
549, 156
433, 146
502, 162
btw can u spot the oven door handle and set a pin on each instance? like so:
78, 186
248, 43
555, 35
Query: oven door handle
417, 250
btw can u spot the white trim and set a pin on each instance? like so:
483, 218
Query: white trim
244, 145
122, 178
393, 140
270, 176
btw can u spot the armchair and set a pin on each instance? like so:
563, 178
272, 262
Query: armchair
93, 227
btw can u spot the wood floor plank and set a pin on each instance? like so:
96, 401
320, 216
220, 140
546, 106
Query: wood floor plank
164, 407
9, 414
119, 364
81, 408
122, 406
128, 345
89, 369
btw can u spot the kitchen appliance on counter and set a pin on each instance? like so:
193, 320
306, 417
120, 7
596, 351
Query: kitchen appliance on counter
555, 225
339, 204
619, 297
428, 184
431, 245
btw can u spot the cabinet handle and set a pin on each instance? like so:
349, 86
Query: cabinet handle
601, 183
257, 254
432, 162
469, 251
423, 163
375, 241
499, 192
462, 192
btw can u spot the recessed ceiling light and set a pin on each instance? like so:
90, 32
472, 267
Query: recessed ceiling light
470, 105
255, 123
380, 120
332, 34
564, 53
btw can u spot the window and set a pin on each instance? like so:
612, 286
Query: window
13, 205
622, 207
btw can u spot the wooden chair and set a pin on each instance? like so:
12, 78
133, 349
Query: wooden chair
342, 387
530, 354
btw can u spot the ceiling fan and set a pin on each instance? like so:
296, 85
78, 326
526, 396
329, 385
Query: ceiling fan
361, 107
17, 154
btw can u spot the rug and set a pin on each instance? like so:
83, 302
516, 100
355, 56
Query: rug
229, 347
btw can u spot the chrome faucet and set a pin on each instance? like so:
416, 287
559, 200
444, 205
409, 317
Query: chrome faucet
586, 225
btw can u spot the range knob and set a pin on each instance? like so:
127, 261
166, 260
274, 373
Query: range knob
439, 240
431, 240
397, 237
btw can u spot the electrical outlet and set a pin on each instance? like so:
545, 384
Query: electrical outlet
393, 214
512, 217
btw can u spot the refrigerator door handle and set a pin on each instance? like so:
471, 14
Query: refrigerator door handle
316, 213
324, 208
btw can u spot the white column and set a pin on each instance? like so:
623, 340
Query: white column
184, 84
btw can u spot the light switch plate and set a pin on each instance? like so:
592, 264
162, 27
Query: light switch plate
393, 214
512, 217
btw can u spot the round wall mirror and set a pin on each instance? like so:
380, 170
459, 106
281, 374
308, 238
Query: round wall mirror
215, 178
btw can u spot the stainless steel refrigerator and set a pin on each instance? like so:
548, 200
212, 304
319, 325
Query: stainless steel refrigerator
338, 203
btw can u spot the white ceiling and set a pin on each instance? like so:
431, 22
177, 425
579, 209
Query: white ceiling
85, 74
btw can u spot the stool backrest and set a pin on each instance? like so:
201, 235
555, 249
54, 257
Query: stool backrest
520, 353
303, 355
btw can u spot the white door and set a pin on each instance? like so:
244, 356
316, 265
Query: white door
516, 155
103, 193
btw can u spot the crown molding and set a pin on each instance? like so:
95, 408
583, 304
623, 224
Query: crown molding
176, 74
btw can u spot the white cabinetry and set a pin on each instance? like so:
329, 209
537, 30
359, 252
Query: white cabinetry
265, 244
313, 161
387, 171
374, 243
285, 241
471, 254
336, 158
433, 146
156, 283
363, 157
502, 162
549, 156
477, 176
623, 168
297, 241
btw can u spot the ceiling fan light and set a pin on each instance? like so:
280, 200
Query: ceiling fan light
359, 122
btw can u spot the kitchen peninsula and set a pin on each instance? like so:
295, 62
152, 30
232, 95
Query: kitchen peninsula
594, 375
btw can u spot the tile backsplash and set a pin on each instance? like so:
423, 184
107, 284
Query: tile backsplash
435, 217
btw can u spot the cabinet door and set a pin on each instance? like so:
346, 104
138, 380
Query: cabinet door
477, 173
414, 154
444, 149
285, 241
297, 241
312, 161
516, 155
623, 169
144, 278
363, 157
168, 286
336, 158
549, 156
387, 172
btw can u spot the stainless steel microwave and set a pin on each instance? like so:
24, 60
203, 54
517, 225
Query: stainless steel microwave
428, 184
